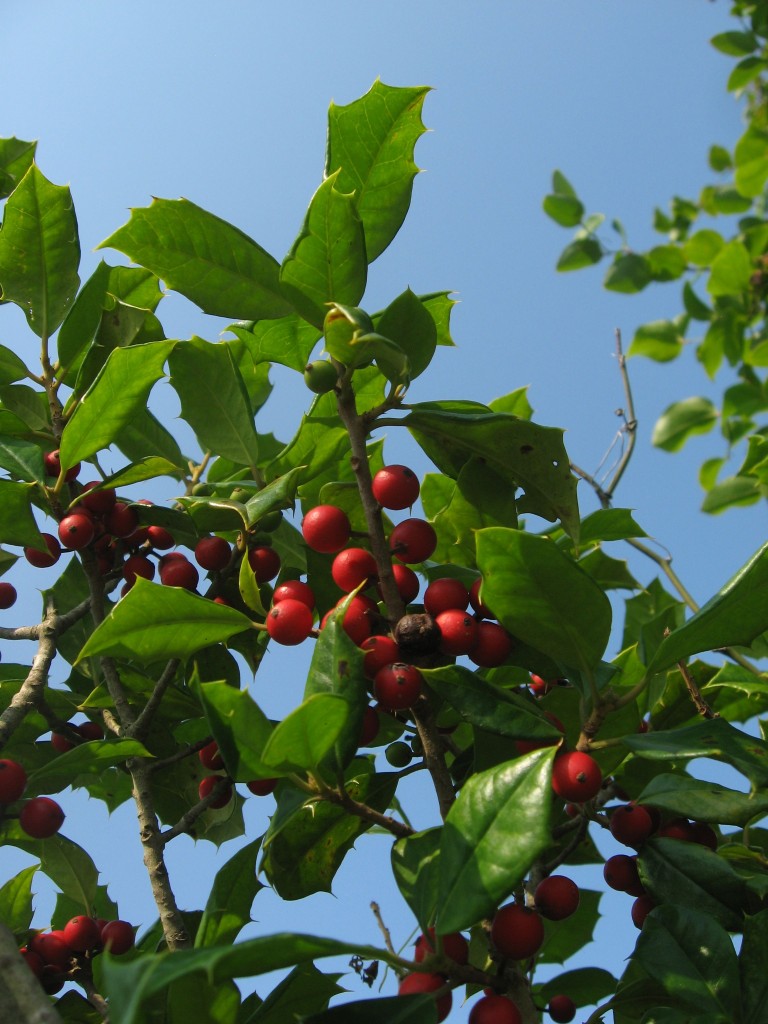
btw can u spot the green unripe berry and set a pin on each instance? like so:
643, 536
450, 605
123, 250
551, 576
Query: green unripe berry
240, 494
271, 520
398, 754
320, 376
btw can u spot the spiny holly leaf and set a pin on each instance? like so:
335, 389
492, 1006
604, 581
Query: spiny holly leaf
68, 866
305, 736
408, 322
542, 596
522, 453
416, 867
85, 759
733, 617
214, 264
288, 340
327, 262
214, 400
492, 834
704, 801
16, 901
228, 909
22, 459
39, 251
122, 387
153, 622
16, 157
298, 994
16, 523
371, 143
240, 728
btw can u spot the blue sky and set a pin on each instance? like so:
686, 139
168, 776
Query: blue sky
225, 104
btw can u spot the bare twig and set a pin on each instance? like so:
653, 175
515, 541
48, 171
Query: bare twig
186, 821
142, 724
383, 928
32, 688
695, 693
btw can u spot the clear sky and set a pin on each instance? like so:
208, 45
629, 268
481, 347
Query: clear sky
225, 104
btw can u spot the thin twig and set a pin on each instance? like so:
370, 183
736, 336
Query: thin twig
143, 722
383, 928
186, 821
32, 688
695, 693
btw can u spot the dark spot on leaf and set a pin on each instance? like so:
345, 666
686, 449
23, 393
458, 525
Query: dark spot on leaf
526, 449
343, 669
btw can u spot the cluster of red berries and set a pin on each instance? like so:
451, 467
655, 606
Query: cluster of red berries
52, 955
210, 758
39, 817
631, 824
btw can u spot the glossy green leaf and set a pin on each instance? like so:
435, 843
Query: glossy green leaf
371, 143
751, 159
240, 728
68, 866
327, 262
439, 306
307, 734
733, 617
17, 525
11, 367
729, 493
214, 264
39, 251
693, 958
16, 901
583, 252
629, 273
692, 875
85, 759
542, 596
303, 852
666, 262
279, 493
489, 707
516, 403
745, 72
524, 454
565, 210
16, 157
214, 400
249, 589
659, 340
609, 524
714, 738
122, 387
148, 468
337, 669
731, 270
409, 324
416, 868
560, 944
153, 622
735, 44
609, 573
145, 435
22, 459
419, 1009
703, 246
29, 405
228, 908
299, 994
587, 986
288, 340
494, 831
683, 420
703, 801
752, 973
319, 443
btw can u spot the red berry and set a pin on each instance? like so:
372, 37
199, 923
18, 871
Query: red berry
82, 933
118, 937
210, 757
61, 743
178, 573
265, 563
53, 466
295, 589
395, 487
326, 528
677, 828
631, 824
41, 817
576, 776
52, 949
7, 595
76, 531
289, 622
474, 599
556, 897
539, 686
444, 594
620, 873
379, 651
44, 559
34, 961
406, 581
416, 983
137, 538
493, 646
212, 553
561, 1009
455, 946
353, 566
370, 727
358, 619
160, 538
122, 520
397, 686
517, 932
641, 908
262, 787
209, 783
458, 632
13, 781
494, 1009
90, 730
97, 501
138, 565
413, 540
703, 834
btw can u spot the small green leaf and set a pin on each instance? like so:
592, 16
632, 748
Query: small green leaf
703, 801
214, 264
751, 159
214, 400
298, 995
629, 273
409, 324
582, 252
560, 944
68, 866
731, 270
16, 901
542, 596
144, 435
659, 340
16, 157
288, 340
565, 210
17, 526
305, 736
702, 247
11, 367
735, 44
22, 459
327, 261
609, 524
666, 262
682, 420
746, 71
153, 622
85, 759
495, 830
370, 144
586, 986
240, 728
228, 909
416, 867
39, 251
733, 617
733, 491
